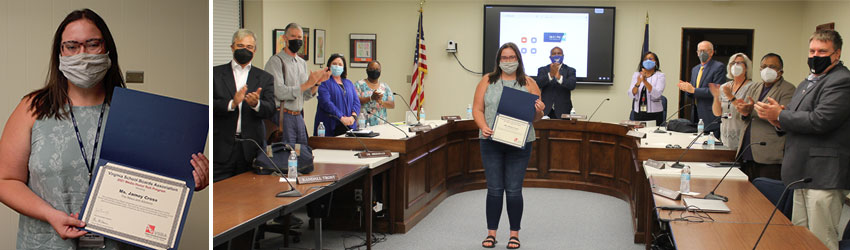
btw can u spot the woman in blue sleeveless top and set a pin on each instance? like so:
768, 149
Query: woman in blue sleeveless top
46, 166
504, 165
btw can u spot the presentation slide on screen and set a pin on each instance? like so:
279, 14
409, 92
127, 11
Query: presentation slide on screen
536, 33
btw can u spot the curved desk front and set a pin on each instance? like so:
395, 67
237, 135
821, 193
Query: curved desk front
589, 156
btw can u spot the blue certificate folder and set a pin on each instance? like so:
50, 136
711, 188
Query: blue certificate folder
156, 134
517, 104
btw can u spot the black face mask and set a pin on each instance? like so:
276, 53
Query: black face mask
243, 56
818, 64
294, 45
373, 74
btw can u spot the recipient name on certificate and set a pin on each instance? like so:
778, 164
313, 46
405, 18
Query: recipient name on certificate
509, 130
136, 206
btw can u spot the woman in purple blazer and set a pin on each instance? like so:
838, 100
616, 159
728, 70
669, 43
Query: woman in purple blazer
338, 102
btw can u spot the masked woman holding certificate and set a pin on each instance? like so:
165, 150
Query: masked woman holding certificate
504, 165
50, 143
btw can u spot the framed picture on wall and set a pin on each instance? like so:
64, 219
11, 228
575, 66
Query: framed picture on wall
363, 49
278, 40
318, 46
304, 51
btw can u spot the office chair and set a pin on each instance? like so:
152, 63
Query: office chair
772, 189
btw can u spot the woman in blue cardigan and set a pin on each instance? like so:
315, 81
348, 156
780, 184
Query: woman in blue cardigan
338, 102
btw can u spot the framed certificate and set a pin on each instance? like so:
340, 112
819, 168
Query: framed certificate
136, 206
511, 131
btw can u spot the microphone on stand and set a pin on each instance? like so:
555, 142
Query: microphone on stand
804, 180
289, 193
410, 109
711, 195
597, 108
394, 126
658, 129
680, 165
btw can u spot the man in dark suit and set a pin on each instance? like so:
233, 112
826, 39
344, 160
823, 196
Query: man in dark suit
816, 124
242, 97
556, 81
707, 72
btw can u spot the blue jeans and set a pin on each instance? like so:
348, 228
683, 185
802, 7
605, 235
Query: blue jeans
504, 168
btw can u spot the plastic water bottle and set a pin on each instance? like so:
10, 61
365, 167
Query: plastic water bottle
321, 129
422, 115
685, 180
361, 121
711, 139
700, 127
573, 111
292, 166
469, 111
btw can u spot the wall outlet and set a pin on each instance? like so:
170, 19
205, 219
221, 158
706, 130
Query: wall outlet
358, 195
135, 76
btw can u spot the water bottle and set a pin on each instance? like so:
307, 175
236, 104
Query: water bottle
321, 129
469, 112
292, 166
685, 180
711, 139
361, 121
422, 115
700, 127
573, 111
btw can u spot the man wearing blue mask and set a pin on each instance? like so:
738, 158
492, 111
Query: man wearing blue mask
702, 76
556, 81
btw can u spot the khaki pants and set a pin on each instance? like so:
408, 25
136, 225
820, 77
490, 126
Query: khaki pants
820, 211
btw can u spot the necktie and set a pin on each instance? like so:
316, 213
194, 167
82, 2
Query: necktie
699, 77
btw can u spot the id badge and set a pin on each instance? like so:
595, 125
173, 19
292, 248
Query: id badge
91, 240
642, 108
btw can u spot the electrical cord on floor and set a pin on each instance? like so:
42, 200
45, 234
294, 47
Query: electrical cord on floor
464, 67
376, 238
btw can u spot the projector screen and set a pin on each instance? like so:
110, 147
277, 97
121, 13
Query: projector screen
585, 34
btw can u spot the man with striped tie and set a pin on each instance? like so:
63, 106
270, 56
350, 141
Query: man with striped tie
702, 75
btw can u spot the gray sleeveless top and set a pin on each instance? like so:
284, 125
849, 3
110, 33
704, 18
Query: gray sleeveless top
491, 103
58, 174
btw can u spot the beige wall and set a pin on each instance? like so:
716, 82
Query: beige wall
780, 27
166, 39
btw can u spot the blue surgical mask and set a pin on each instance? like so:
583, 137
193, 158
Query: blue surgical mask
337, 70
648, 64
557, 59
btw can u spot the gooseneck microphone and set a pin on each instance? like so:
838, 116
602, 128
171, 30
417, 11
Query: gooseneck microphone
365, 149
711, 195
418, 123
393, 125
680, 165
804, 180
289, 193
658, 129
597, 108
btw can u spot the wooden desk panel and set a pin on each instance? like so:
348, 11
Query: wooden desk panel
248, 198
746, 203
691, 236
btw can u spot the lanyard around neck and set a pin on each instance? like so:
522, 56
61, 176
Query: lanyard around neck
89, 164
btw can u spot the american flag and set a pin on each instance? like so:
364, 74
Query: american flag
420, 69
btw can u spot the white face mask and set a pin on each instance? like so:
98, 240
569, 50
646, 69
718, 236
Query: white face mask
768, 75
85, 70
737, 70
509, 67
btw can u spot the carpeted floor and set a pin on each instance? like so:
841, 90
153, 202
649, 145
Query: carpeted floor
552, 219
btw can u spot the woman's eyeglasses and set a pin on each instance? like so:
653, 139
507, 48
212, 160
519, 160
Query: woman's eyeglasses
94, 45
